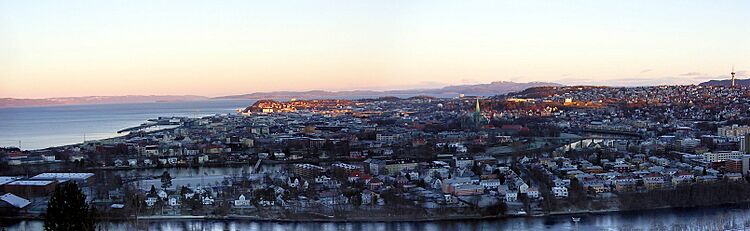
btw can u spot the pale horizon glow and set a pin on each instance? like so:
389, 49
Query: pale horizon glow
216, 48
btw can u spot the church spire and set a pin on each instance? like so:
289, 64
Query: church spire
478, 111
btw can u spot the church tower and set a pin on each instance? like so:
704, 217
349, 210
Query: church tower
478, 111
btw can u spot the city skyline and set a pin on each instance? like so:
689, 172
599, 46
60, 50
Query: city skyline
80, 48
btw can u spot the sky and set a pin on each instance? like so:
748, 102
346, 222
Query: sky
215, 48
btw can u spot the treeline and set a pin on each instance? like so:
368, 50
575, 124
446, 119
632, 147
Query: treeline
721, 192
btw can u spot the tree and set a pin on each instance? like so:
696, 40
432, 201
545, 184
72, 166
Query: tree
152, 192
68, 210
166, 180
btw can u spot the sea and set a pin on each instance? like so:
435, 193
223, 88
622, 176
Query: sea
42, 127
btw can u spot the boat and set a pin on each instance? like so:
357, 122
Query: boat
576, 219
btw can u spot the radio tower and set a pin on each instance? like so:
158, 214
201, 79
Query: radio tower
733, 76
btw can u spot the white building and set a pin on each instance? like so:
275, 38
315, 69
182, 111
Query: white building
721, 156
241, 201
560, 192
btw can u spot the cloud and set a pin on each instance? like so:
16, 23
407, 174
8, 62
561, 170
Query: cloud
693, 74
645, 70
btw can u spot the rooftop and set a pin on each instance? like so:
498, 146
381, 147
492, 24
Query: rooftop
65, 176
14, 200
31, 182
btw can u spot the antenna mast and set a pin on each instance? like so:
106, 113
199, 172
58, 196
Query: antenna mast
732, 76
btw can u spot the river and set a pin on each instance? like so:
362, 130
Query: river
707, 218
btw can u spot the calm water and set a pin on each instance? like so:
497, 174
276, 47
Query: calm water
712, 218
42, 127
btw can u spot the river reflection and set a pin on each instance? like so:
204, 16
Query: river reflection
711, 218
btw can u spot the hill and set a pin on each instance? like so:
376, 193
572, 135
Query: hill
14, 102
490, 89
726, 82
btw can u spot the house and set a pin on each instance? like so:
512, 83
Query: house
133, 162
367, 197
162, 194
449, 199
522, 186
207, 200
174, 201
682, 178
241, 201
562, 183
150, 201
532, 193
625, 184
331, 197
560, 192
202, 159
653, 181
490, 183
374, 183
511, 196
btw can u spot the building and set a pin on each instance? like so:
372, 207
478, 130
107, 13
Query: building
468, 190
734, 165
82, 179
307, 171
11, 204
560, 192
241, 202
734, 131
745, 143
532, 193
721, 156
653, 181
30, 188
396, 166
463, 162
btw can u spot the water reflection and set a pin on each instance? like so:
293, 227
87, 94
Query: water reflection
711, 218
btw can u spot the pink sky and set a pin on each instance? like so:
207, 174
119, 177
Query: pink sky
82, 48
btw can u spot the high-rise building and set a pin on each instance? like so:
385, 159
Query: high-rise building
745, 143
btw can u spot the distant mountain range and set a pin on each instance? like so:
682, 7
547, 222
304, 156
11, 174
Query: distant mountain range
494, 88
726, 82
12, 102
490, 89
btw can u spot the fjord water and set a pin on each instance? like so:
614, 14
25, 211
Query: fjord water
42, 127
731, 217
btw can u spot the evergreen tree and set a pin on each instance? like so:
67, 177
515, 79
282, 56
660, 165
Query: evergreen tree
166, 180
68, 210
